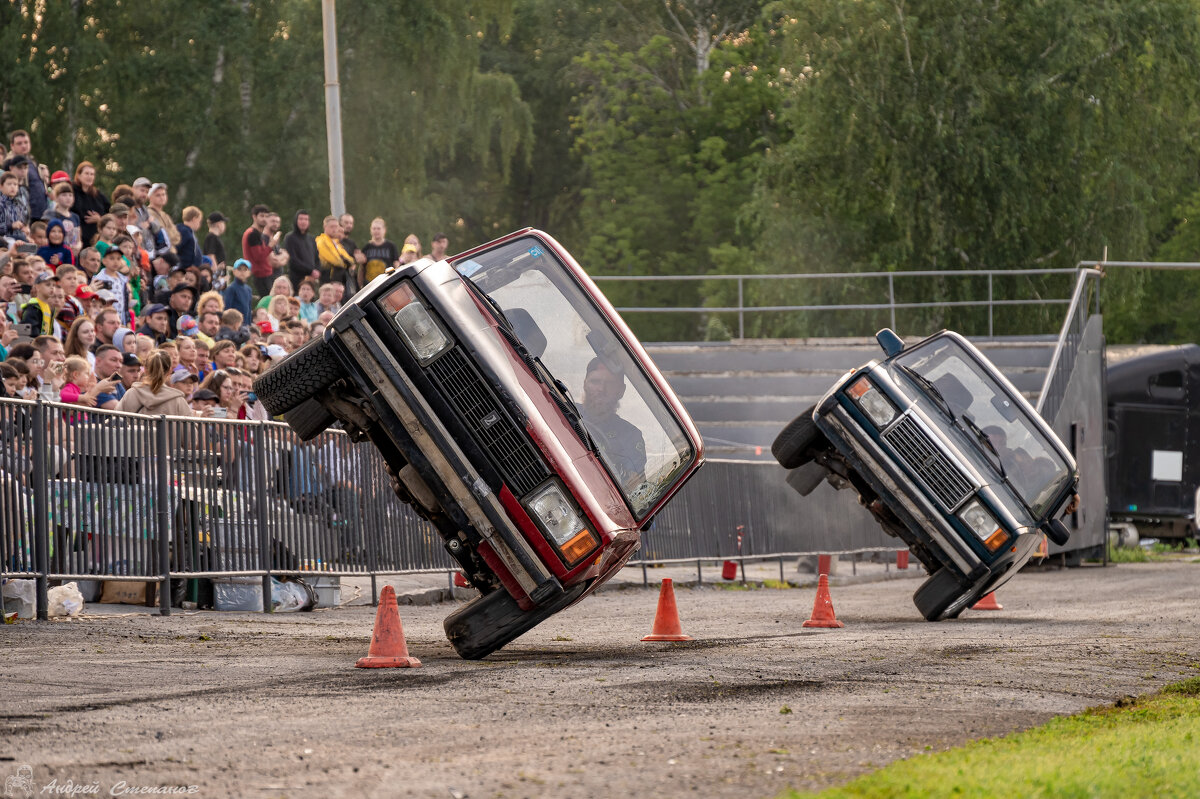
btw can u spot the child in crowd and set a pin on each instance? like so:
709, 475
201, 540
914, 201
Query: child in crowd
78, 376
56, 253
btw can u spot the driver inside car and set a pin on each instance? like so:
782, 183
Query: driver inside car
621, 443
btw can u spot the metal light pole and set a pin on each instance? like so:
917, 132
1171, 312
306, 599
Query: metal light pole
333, 111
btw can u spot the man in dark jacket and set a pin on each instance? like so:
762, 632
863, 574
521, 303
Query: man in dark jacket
19, 144
302, 251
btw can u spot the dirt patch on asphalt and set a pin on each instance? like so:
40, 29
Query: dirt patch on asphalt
250, 705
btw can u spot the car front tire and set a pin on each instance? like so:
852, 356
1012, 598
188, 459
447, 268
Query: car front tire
942, 596
796, 444
489, 622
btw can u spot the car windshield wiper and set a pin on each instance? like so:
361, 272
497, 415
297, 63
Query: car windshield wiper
930, 389
986, 442
558, 389
495, 306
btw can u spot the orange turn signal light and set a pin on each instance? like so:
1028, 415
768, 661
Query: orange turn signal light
861, 387
401, 296
583, 543
995, 540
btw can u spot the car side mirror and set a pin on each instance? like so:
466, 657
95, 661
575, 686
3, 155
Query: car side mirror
891, 343
1057, 532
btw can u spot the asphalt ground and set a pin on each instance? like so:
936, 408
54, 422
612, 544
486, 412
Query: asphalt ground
245, 704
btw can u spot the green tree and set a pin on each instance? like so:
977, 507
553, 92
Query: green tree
671, 135
946, 134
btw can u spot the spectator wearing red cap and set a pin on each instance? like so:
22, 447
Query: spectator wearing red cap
64, 198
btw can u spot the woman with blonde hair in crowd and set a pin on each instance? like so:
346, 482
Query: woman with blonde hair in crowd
186, 345
145, 345
151, 395
80, 339
210, 301
279, 311
282, 287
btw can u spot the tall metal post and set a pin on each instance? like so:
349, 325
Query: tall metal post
41, 512
333, 110
265, 550
162, 501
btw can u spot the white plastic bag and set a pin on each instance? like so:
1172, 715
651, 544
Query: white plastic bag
291, 596
20, 595
65, 600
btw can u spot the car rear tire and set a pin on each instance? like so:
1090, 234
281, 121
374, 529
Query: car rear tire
942, 596
795, 444
306, 372
489, 622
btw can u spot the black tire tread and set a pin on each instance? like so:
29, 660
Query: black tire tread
938, 593
306, 372
791, 447
485, 624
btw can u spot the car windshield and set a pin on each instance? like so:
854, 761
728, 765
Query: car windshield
1031, 462
638, 438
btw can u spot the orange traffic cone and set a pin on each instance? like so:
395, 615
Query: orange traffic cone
388, 649
666, 618
822, 612
988, 602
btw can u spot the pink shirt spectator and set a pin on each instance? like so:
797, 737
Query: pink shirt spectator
69, 393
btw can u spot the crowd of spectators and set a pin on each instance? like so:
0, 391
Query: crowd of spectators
107, 302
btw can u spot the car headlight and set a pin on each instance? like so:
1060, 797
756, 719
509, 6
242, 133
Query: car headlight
878, 408
423, 335
561, 521
983, 525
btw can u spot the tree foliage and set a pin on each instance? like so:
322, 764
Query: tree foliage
672, 137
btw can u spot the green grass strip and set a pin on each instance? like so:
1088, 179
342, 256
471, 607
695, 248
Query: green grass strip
1149, 747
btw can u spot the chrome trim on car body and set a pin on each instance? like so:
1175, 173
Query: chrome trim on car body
463, 487
934, 437
921, 508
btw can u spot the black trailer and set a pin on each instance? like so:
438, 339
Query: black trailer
1153, 445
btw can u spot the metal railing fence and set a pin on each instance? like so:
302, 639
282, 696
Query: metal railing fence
889, 302
90, 494
87, 494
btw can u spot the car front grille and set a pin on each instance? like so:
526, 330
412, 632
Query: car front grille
947, 482
494, 430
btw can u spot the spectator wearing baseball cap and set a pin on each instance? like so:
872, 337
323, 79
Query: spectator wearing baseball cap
38, 313
238, 295
59, 177
131, 369
180, 303
64, 197
155, 323
111, 277
187, 326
